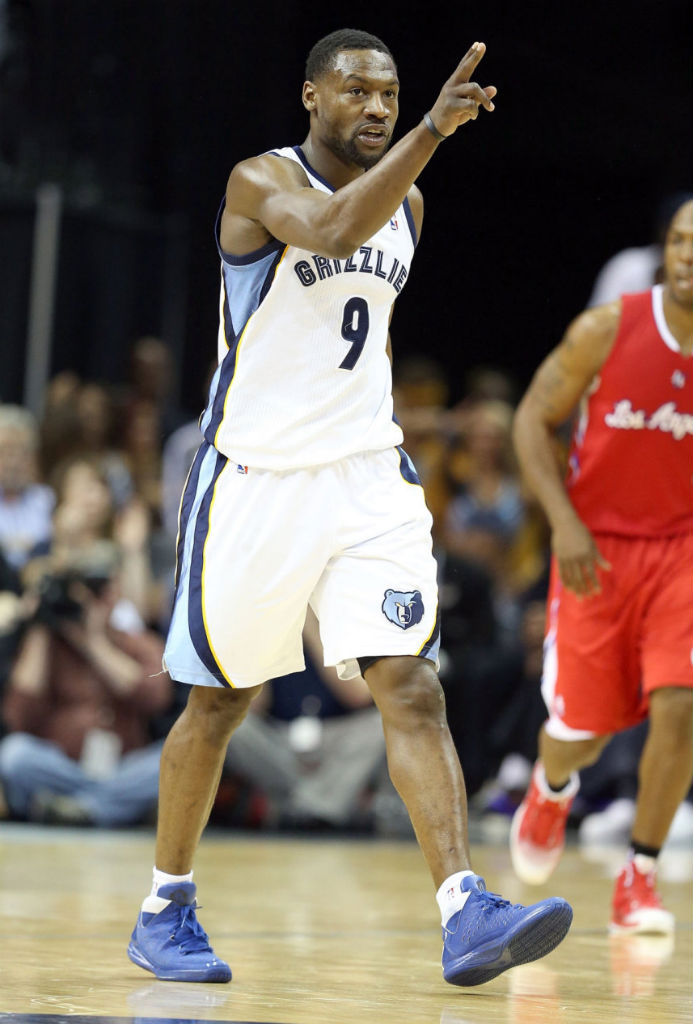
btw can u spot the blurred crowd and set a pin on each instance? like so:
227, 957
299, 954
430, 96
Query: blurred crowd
89, 500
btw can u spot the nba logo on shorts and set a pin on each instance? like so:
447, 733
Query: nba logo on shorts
404, 609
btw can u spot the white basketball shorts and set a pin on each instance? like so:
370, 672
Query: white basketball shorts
352, 539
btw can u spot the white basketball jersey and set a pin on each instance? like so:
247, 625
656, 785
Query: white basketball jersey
303, 376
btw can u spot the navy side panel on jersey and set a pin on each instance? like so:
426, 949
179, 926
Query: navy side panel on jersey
245, 282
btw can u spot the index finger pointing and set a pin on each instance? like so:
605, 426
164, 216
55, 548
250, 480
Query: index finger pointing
469, 62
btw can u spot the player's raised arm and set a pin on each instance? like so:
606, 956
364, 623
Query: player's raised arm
459, 100
358, 100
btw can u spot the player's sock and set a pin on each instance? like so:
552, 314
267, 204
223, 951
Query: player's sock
644, 857
450, 897
153, 903
555, 790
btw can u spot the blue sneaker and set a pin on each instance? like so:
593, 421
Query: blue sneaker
172, 944
490, 935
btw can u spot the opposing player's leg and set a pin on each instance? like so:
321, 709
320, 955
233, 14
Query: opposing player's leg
665, 775
666, 763
666, 766
483, 934
537, 833
168, 940
591, 688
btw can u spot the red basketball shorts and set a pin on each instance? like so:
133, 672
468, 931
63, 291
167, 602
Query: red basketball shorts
605, 654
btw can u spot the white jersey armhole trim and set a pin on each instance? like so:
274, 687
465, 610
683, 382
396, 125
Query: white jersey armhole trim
660, 320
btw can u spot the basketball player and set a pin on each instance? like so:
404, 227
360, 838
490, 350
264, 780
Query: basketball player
301, 496
620, 615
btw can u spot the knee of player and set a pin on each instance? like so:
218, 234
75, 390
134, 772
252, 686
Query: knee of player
217, 710
413, 694
671, 714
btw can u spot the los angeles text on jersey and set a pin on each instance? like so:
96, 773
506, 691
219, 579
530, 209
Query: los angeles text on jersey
366, 261
666, 418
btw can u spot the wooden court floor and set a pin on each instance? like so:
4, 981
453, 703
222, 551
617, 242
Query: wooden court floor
317, 932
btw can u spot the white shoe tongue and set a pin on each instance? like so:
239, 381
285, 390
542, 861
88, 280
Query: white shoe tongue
154, 904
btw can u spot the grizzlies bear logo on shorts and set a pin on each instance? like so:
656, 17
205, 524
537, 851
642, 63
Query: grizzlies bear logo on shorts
404, 609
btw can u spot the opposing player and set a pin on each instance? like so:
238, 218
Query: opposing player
620, 618
301, 496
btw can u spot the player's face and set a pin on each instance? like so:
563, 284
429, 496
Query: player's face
357, 106
678, 255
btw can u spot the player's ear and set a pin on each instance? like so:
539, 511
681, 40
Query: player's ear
309, 96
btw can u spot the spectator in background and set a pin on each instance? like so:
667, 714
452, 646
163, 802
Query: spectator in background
142, 442
98, 438
487, 511
85, 515
79, 700
489, 384
81, 425
314, 745
60, 428
489, 673
474, 667
511, 726
25, 504
12, 614
151, 379
79, 419
420, 395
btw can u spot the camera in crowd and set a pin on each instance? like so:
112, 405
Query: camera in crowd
62, 592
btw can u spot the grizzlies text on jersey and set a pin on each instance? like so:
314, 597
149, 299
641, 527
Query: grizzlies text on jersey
303, 376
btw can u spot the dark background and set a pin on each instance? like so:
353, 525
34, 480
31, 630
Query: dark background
139, 109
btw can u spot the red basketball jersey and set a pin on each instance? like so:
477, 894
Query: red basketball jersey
631, 460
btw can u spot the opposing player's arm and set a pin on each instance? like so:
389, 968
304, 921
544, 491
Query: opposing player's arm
262, 195
552, 396
568, 370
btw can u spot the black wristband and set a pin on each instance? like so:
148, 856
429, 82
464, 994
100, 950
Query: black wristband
428, 121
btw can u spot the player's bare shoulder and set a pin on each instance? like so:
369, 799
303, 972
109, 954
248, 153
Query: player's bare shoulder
250, 183
590, 337
569, 368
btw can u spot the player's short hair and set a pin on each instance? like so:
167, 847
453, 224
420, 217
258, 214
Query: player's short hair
321, 57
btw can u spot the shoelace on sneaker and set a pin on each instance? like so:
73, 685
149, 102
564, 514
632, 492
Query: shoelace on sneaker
492, 901
492, 897
195, 939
